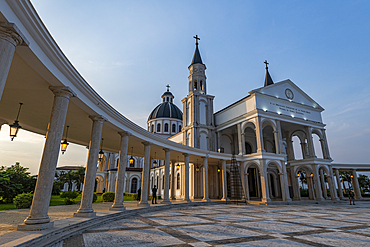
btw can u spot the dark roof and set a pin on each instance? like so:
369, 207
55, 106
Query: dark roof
196, 57
167, 93
268, 80
68, 167
166, 110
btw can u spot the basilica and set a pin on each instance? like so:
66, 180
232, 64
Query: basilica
264, 128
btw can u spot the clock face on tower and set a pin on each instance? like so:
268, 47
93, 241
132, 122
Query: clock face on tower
289, 94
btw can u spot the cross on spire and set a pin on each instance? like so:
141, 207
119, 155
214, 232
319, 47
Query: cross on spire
196, 39
265, 62
168, 87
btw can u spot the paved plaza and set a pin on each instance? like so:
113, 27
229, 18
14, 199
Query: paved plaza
330, 224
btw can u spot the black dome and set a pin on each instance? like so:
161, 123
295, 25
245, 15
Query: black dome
166, 110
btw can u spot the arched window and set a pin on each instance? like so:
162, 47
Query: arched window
167, 99
179, 128
163, 181
195, 85
159, 127
152, 130
166, 127
134, 185
248, 148
201, 85
173, 127
178, 181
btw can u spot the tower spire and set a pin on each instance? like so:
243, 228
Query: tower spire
196, 57
268, 80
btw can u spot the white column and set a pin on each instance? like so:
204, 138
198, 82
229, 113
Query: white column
311, 192
246, 177
86, 209
166, 196
317, 183
240, 143
145, 176
259, 135
323, 184
295, 184
120, 181
340, 189
333, 193
224, 181
38, 217
355, 184
326, 144
289, 145
186, 197
242, 176
284, 183
264, 183
9, 38
277, 143
173, 180
205, 179
243, 143
311, 148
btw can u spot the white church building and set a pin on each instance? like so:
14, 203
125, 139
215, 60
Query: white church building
260, 127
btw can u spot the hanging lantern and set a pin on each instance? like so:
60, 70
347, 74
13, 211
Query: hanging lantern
14, 128
311, 175
101, 153
155, 160
178, 166
65, 143
197, 168
218, 169
132, 158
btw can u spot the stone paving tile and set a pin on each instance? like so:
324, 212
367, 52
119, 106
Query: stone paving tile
174, 221
213, 232
268, 242
338, 239
141, 237
276, 227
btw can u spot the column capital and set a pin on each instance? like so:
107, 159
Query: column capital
166, 149
185, 154
11, 33
97, 118
147, 143
124, 133
62, 91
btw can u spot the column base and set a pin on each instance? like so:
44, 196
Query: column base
266, 200
320, 199
165, 202
35, 227
288, 199
143, 204
206, 200
341, 198
85, 214
174, 198
358, 198
226, 199
117, 208
188, 200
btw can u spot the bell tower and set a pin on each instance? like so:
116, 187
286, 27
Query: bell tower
198, 121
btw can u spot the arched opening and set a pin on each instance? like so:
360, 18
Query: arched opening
99, 184
180, 128
305, 184
195, 85
159, 127
152, 129
274, 181
134, 183
269, 139
317, 146
173, 128
325, 185
132, 162
201, 85
166, 127
297, 148
250, 139
254, 183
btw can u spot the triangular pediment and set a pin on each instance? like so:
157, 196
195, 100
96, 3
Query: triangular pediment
289, 91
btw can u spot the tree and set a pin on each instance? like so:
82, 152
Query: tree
364, 182
15, 180
79, 177
346, 176
68, 178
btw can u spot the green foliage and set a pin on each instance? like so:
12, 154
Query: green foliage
158, 197
69, 196
15, 180
108, 196
132, 195
95, 197
56, 189
364, 182
70, 177
23, 200
304, 193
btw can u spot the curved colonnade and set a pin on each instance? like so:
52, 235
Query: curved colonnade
34, 71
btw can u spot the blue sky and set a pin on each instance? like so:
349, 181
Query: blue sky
129, 50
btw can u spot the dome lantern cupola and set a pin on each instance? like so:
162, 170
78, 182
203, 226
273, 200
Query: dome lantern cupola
168, 96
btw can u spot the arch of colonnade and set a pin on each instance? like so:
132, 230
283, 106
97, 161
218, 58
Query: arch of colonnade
67, 99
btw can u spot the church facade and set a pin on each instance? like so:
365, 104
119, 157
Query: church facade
260, 128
